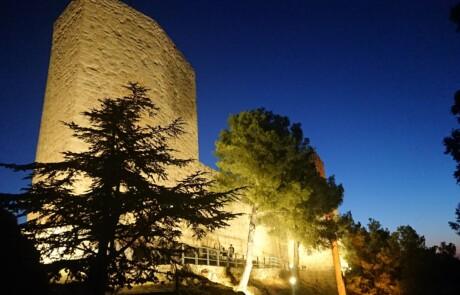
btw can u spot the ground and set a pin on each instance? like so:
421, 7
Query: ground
201, 286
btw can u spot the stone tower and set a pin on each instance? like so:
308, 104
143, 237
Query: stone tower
99, 46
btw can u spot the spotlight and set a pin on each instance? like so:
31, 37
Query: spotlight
292, 280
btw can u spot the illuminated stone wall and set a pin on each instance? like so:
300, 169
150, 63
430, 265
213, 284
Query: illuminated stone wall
99, 46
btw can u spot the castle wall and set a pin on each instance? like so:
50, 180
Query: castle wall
101, 45
61, 89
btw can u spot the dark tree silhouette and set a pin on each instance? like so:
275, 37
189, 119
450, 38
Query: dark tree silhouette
372, 259
455, 16
452, 143
399, 262
104, 214
21, 270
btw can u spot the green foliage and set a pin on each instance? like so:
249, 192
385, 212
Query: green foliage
316, 224
373, 260
262, 152
268, 156
105, 215
310, 218
271, 158
384, 262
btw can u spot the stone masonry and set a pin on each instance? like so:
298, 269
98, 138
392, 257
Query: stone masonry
101, 45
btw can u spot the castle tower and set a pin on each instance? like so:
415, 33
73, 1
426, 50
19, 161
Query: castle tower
101, 45
98, 47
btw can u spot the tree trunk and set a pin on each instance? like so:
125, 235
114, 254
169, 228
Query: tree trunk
176, 281
280, 252
97, 280
296, 259
337, 268
249, 251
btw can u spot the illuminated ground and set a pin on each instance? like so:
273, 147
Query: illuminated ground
275, 287
199, 285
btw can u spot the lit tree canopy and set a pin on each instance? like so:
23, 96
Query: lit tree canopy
315, 224
263, 152
270, 157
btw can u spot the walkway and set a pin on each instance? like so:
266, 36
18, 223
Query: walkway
217, 257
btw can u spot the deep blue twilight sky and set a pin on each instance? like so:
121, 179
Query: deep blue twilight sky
371, 82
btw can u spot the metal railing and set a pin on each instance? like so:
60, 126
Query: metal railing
217, 257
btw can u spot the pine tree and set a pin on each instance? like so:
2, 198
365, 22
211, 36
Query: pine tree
452, 144
271, 158
104, 214
373, 257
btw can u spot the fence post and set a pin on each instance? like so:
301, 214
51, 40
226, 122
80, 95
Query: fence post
218, 257
182, 255
207, 256
196, 256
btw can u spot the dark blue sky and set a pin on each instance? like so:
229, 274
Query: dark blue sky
371, 82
